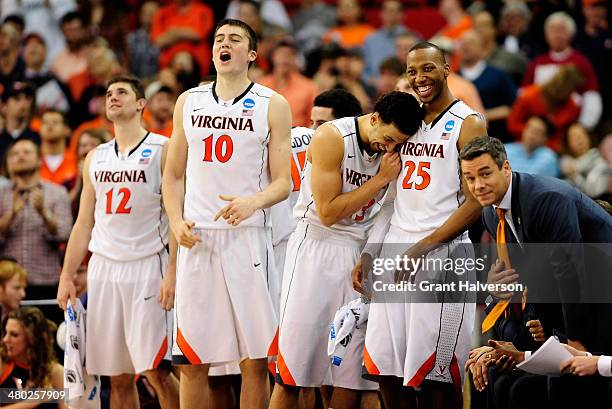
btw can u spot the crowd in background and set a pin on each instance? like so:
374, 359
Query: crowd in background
539, 71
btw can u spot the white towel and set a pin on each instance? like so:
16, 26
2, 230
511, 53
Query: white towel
349, 317
83, 389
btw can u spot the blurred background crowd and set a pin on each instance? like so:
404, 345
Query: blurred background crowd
538, 70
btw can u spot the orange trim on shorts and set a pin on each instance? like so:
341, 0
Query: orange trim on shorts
284, 372
422, 372
369, 363
189, 353
272, 353
161, 353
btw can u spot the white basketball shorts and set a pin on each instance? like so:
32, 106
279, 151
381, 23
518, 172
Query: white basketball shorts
316, 283
420, 340
126, 326
223, 310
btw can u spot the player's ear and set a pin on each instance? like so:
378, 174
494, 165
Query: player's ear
252, 55
446, 70
141, 103
374, 118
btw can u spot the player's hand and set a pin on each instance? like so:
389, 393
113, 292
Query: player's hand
498, 275
390, 166
536, 330
239, 209
580, 365
474, 355
166, 291
480, 370
66, 290
356, 277
184, 234
360, 273
416, 251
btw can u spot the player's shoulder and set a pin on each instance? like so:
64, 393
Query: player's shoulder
461, 110
103, 147
155, 139
260, 91
200, 89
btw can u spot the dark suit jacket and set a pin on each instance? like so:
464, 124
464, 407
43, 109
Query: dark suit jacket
549, 210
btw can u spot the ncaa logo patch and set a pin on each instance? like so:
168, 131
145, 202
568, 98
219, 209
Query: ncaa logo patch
248, 103
146, 153
449, 125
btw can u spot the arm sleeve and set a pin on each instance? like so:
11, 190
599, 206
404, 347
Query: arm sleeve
604, 365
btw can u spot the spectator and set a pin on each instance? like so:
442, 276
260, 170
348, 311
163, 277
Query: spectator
514, 35
553, 100
273, 12
559, 30
531, 155
27, 353
350, 32
99, 122
458, 21
142, 55
17, 22
72, 59
157, 116
50, 92
380, 44
17, 112
13, 283
582, 164
186, 71
107, 20
310, 22
349, 73
183, 25
594, 39
87, 140
514, 64
58, 165
495, 87
12, 67
286, 79
403, 85
403, 43
390, 71
43, 17
34, 219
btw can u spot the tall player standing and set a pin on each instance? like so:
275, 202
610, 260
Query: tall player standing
425, 345
231, 142
122, 221
344, 181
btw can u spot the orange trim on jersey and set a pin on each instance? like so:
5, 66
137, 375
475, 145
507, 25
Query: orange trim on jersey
7, 369
284, 372
161, 353
369, 364
189, 353
455, 373
422, 372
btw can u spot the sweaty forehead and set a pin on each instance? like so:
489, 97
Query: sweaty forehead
423, 56
230, 30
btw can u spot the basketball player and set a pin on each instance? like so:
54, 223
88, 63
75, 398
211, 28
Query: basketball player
231, 142
327, 106
350, 162
123, 223
430, 208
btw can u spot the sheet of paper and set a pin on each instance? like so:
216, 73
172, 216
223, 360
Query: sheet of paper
547, 359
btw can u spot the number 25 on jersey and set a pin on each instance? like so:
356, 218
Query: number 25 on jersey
422, 178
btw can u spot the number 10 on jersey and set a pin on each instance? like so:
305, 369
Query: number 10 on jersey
219, 149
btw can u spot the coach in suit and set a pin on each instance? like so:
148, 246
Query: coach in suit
539, 209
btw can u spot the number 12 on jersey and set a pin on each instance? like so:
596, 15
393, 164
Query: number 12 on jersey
125, 194
221, 148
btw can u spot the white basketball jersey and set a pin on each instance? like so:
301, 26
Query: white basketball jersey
357, 168
130, 220
429, 185
227, 152
283, 221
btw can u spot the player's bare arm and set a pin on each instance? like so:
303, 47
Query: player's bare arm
173, 189
325, 153
241, 208
470, 211
166, 291
79, 238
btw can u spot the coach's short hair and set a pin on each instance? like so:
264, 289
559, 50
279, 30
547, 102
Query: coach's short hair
134, 83
483, 145
400, 109
341, 102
